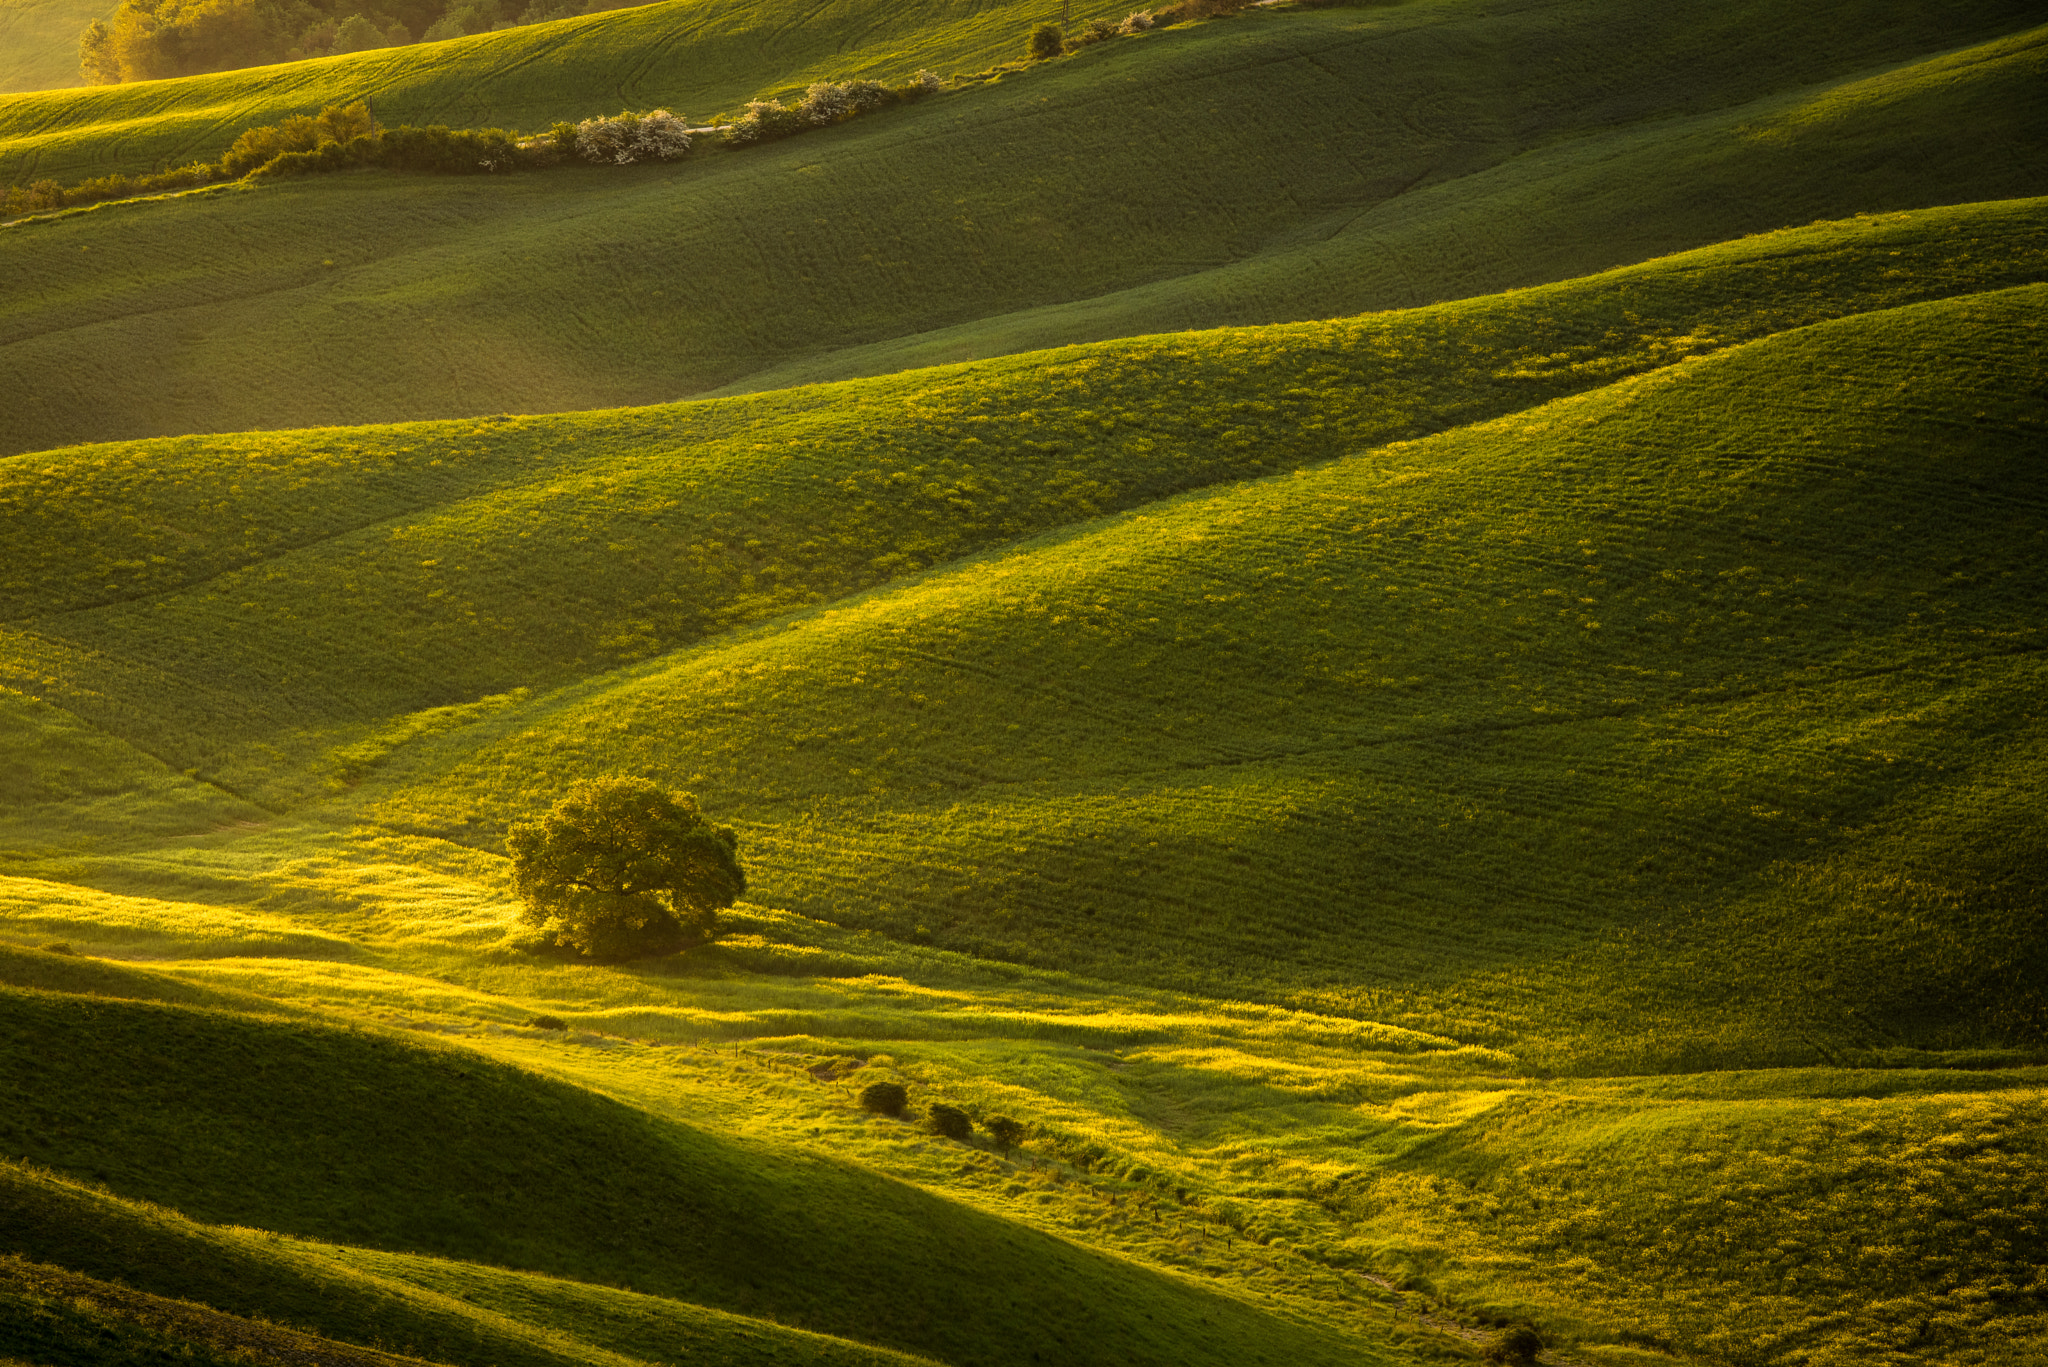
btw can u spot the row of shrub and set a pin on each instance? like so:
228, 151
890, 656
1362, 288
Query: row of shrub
824, 103
344, 136
338, 136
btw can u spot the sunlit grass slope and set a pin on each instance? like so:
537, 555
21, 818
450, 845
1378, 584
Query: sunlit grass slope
1149, 165
1668, 725
381, 586
39, 41
356, 1138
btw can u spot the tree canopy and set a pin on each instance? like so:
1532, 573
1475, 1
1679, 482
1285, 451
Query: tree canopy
620, 868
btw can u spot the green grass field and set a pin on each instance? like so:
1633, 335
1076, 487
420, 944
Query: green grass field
1412, 632
39, 42
964, 226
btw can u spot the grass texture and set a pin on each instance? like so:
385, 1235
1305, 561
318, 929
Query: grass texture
1519, 805
39, 42
387, 585
1335, 782
1274, 734
959, 222
445, 1155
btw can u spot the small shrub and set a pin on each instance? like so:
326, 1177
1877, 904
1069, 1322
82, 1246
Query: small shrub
927, 82
1098, 30
1135, 23
58, 947
950, 1121
1516, 1346
826, 103
764, 121
628, 137
1005, 1132
884, 1098
548, 1023
1047, 42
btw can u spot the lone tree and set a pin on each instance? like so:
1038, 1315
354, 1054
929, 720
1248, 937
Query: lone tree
623, 869
1047, 42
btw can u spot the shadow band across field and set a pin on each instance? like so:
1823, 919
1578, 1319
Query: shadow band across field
359, 1139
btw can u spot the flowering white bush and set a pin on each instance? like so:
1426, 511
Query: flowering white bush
826, 103
1135, 23
829, 103
654, 136
928, 82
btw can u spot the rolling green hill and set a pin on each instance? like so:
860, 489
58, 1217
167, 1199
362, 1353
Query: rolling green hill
1274, 735
1409, 632
697, 56
375, 296
387, 584
343, 1136
39, 42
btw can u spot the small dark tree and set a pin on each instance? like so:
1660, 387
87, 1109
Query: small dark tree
884, 1098
1046, 41
623, 869
951, 1122
1006, 1133
1517, 1346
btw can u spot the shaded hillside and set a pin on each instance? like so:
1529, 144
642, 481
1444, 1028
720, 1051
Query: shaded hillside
146, 1255
377, 296
369, 575
356, 1138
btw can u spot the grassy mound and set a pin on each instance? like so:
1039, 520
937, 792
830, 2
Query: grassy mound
1877, 1219
385, 586
1571, 719
357, 1138
171, 1273
56, 1318
376, 296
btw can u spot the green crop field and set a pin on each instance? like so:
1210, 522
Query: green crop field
39, 42
964, 226
1411, 633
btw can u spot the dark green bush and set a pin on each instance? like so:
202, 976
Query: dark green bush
1046, 41
1006, 1133
548, 1023
1517, 1345
884, 1098
950, 1121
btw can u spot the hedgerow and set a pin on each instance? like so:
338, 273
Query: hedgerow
340, 137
